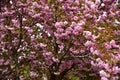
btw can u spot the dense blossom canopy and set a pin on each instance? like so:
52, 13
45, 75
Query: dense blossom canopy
59, 39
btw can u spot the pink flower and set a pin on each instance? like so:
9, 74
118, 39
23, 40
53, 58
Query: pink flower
107, 67
55, 59
96, 52
107, 46
112, 42
33, 74
59, 24
87, 34
116, 70
89, 44
48, 55
42, 45
77, 2
60, 0
104, 78
104, 74
78, 28
75, 32
75, 18
73, 24
1, 61
76, 51
35, 4
36, 15
60, 30
65, 22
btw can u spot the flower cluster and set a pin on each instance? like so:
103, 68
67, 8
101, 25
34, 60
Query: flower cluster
59, 39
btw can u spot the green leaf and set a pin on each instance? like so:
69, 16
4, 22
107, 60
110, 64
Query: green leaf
74, 78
